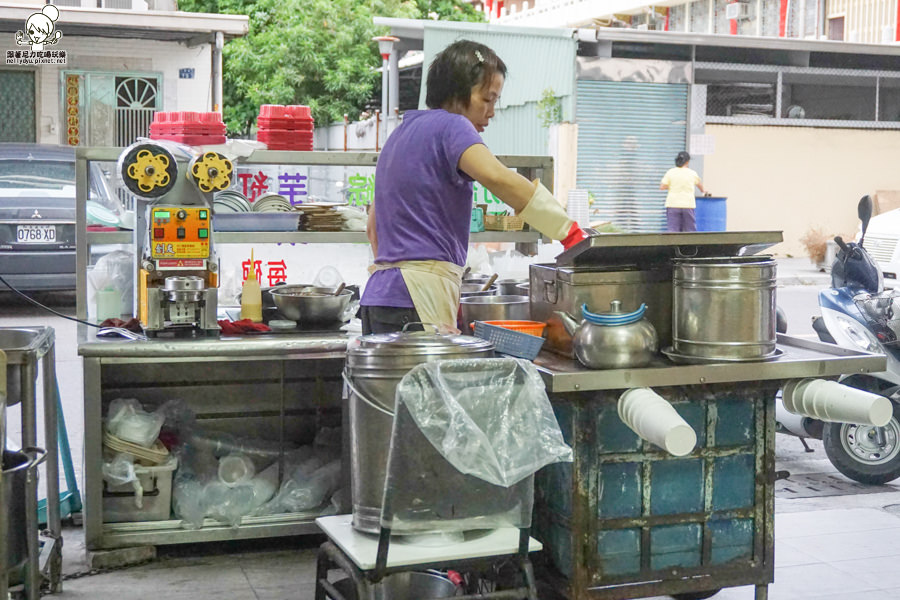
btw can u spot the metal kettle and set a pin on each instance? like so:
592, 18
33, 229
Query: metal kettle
613, 340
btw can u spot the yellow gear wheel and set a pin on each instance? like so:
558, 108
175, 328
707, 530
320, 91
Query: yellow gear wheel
211, 171
148, 170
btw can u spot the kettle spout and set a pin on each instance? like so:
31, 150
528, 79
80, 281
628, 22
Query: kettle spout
568, 322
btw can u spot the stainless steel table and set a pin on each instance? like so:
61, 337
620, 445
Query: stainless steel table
25, 348
628, 520
271, 384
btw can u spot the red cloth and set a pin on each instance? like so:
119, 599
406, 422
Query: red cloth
132, 324
576, 234
242, 326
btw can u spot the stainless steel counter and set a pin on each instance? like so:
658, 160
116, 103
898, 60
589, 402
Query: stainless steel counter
320, 344
800, 358
279, 386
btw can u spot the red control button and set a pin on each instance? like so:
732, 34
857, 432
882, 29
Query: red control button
159, 233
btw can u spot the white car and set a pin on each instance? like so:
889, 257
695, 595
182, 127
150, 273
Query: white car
881, 243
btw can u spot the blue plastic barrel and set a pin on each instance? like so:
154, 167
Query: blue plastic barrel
711, 213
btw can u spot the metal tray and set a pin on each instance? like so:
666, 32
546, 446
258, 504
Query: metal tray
799, 358
645, 248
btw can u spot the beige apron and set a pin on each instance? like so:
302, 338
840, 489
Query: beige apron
433, 286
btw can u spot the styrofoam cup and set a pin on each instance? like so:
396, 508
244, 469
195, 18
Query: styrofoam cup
651, 417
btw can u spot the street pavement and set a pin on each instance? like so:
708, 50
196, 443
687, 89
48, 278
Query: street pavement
833, 537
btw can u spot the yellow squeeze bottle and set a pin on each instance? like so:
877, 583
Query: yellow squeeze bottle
251, 295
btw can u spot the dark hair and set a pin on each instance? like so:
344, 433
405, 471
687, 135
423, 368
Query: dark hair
457, 69
682, 158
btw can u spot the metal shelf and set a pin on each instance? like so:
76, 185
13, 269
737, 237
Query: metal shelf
309, 237
530, 166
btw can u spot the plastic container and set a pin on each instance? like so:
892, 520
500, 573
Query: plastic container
535, 328
507, 341
711, 213
120, 502
256, 222
251, 295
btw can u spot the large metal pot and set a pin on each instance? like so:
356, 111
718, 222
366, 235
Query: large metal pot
310, 304
494, 308
375, 366
468, 290
405, 585
15, 472
724, 308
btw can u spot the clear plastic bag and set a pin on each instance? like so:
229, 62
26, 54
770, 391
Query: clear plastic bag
113, 273
490, 418
127, 420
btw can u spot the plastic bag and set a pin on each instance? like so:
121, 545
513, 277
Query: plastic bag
489, 417
308, 487
114, 272
127, 420
120, 471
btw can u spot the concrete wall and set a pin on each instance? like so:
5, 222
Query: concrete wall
797, 178
124, 56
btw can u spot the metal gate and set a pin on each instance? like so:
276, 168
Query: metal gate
628, 136
17, 122
136, 101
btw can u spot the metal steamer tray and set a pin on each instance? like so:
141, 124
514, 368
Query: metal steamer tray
634, 268
795, 357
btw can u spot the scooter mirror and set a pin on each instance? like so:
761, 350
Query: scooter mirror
864, 211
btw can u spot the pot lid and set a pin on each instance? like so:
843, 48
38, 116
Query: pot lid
429, 341
646, 248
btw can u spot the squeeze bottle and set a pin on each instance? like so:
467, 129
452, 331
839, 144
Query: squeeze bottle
251, 295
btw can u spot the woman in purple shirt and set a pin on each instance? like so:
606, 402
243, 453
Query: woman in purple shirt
419, 222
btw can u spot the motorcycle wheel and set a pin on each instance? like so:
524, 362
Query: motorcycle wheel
854, 451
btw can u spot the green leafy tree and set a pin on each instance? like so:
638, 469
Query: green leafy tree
313, 52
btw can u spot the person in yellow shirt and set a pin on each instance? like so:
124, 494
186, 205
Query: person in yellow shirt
680, 203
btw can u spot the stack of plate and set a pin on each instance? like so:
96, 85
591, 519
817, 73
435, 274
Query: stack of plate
230, 201
320, 217
272, 202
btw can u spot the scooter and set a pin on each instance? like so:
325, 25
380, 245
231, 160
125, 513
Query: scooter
859, 314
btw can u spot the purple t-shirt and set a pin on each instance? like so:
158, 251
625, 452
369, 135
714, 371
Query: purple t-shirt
423, 202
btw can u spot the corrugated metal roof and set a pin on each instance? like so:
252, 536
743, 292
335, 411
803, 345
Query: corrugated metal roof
517, 130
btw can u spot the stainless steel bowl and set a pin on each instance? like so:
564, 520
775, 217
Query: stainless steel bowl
474, 278
508, 287
474, 289
310, 304
494, 308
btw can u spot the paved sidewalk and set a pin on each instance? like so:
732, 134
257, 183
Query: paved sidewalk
800, 271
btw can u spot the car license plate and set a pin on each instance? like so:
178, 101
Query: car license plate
36, 234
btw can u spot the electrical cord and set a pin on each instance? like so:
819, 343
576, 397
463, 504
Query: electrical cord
47, 308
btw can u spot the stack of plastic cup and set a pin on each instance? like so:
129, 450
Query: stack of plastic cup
651, 417
236, 469
832, 401
578, 207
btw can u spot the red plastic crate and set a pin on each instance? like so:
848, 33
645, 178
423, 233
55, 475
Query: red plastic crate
190, 140
291, 124
282, 111
280, 136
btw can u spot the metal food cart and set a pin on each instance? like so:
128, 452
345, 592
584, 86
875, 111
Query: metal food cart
627, 519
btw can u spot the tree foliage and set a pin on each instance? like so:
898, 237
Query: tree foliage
313, 52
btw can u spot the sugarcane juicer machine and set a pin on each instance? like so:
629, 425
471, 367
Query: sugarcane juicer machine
178, 270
